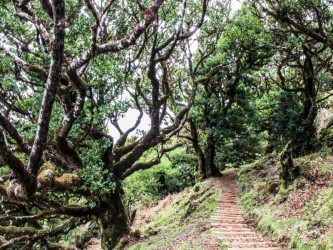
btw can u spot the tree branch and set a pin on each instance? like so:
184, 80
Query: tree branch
51, 87
122, 44
12, 131
12, 161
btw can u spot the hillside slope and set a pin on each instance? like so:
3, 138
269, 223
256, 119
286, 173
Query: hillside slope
180, 221
298, 214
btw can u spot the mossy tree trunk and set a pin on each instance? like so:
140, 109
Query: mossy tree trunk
114, 222
290, 170
210, 166
307, 137
206, 157
198, 151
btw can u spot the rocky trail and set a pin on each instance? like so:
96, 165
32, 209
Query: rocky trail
228, 223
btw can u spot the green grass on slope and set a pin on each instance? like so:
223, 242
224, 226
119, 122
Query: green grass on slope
171, 225
298, 214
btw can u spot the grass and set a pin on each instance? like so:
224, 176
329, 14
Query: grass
179, 219
188, 246
228, 170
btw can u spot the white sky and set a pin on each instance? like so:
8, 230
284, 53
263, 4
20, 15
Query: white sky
236, 4
128, 121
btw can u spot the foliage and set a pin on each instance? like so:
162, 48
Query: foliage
183, 170
286, 122
173, 174
103, 183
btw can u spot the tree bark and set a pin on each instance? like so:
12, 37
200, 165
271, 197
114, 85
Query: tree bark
210, 166
114, 222
198, 152
289, 169
310, 109
206, 164
51, 87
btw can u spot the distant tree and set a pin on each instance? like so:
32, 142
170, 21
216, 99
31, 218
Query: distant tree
221, 116
285, 120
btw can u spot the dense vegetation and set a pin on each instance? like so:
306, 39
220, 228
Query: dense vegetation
219, 87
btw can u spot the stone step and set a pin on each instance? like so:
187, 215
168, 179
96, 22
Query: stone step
249, 244
239, 234
222, 213
249, 239
254, 248
229, 218
234, 225
231, 210
230, 221
230, 205
224, 228
227, 215
231, 215
232, 230
227, 204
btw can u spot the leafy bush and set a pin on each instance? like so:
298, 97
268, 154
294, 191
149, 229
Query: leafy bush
173, 174
288, 124
103, 181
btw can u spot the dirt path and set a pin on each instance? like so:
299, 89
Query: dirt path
228, 224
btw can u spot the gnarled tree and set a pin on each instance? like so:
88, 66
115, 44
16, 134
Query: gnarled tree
71, 69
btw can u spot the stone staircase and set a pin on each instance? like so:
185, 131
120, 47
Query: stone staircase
228, 224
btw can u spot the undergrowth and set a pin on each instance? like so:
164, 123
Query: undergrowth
298, 214
179, 221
